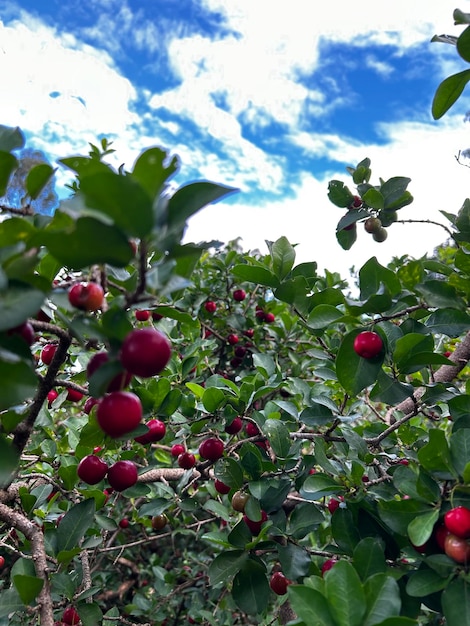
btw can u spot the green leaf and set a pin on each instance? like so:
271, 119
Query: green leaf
373, 277
450, 322
28, 587
304, 518
463, 44
397, 514
229, 472
354, 372
345, 595
393, 190
460, 449
278, 435
189, 199
374, 198
122, 199
74, 524
295, 561
282, 256
389, 390
104, 243
37, 179
344, 530
250, 589
435, 455
383, 599
151, 171
19, 383
8, 164
264, 363
256, 274
10, 602
346, 237
456, 603
369, 557
339, 194
448, 92
90, 614
424, 582
11, 138
323, 316
212, 399
17, 303
310, 605
319, 485
421, 528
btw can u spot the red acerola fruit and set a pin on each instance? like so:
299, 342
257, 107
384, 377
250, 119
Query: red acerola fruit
240, 352
440, 533
86, 296
239, 295
51, 396
232, 339
115, 384
457, 521
124, 523
235, 426
255, 527
145, 352
333, 504
457, 548
47, 353
70, 616
186, 460
368, 344
279, 583
156, 432
221, 487
327, 565
119, 413
251, 429
73, 395
259, 314
177, 449
356, 202
2, 562
249, 333
142, 315
89, 404
211, 449
122, 475
269, 318
210, 306
92, 469
26, 331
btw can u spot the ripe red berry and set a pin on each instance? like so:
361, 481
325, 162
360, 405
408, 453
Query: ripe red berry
186, 460
269, 318
457, 548
70, 616
92, 469
327, 565
124, 523
368, 344
239, 295
210, 306
157, 430
117, 383
86, 296
89, 404
145, 352
51, 396
26, 331
279, 583
232, 339
240, 352
221, 487
73, 395
457, 521
47, 353
211, 449
119, 413
235, 426
249, 333
333, 503
142, 315
356, 202
177, 449
251, 429
2, 562
440, 533
122, 475
255, 527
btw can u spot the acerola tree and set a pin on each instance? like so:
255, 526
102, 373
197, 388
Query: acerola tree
294, 481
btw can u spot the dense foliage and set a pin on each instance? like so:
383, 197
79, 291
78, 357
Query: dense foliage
256, 442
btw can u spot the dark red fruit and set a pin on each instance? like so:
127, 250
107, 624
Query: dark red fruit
249, 333
252, 430
2, 562
86, 296
240, 352
368, 344
124, 523
259, 314
235, 426
47, 353
279, 583
210, 306
239, 295
145, 352
221, 487
457, 548
51, 396
157, 430
119, 413
333, 503
356, 202
440, 534
232, 339
159, 521
26, 331
122, 475
141, 315
327, 565
70, 616
118, 382
255, 527
211, 449
186, 460
92, 469
89, 404
269, 318
177, 449
73, 395
457, 521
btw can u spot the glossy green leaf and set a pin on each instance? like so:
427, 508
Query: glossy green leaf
435, 455
369, 557
339, 194
460, 449
448, 92
383, 599
8, 164
19, 382
345, 595
323, 316
74, 524
11, 138
344, 530
282, 257
28, 587
450, 322
278, 435
226, 565
373, 277
304, 518
37, 179
229, 472
295, 561
212, 399
374, 198
310, 605
397, 514
256, 274
122, 199
354, 372
152, 170
456, 603
424, 582
463, 44
346, 237
319, 485
421, 528
90, 614
189, 199
10, 602
250, 589
389, 390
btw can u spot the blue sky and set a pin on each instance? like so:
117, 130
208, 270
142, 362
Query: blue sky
273, 97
